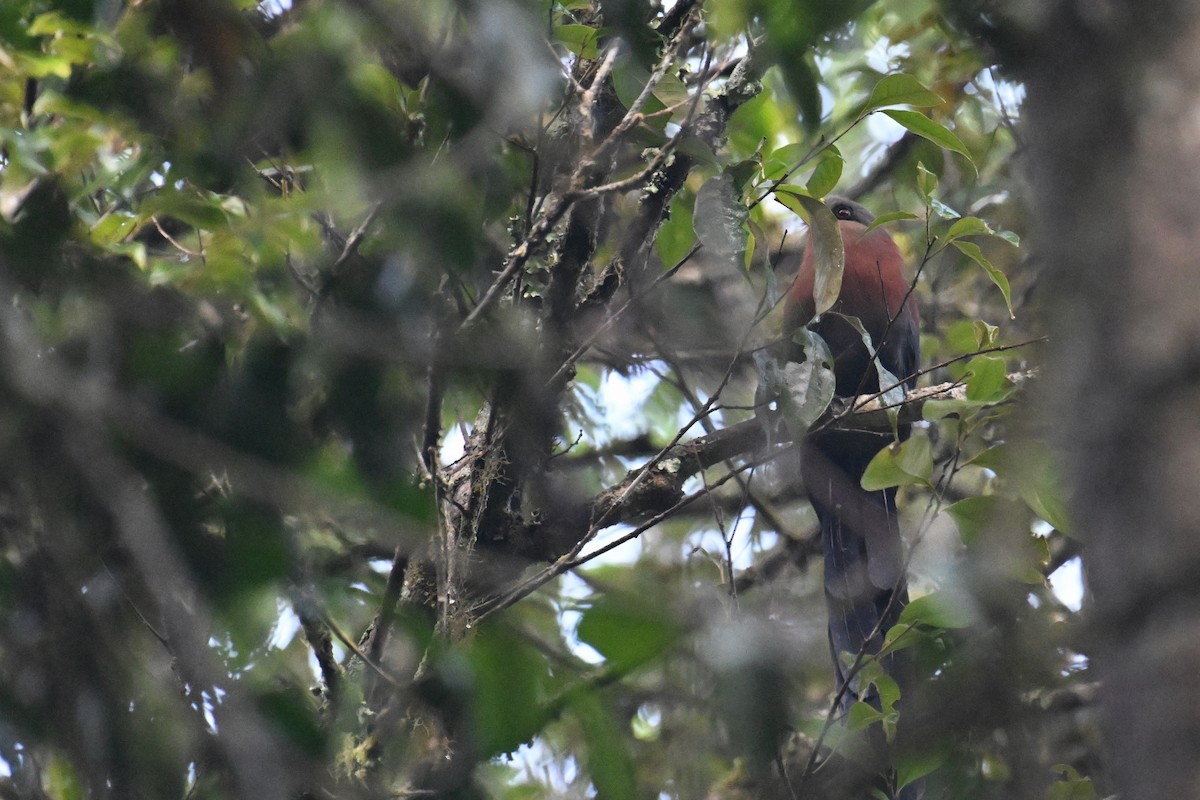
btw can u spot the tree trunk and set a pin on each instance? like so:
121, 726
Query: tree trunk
1114, 93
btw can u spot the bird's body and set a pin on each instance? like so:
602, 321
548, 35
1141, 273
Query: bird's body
865, 586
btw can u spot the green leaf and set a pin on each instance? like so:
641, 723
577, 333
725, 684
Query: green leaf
893, 390
1031, 468
972, 251
802, 77
863, 715
508, 698
626, 631
973, 515
967, 226
720, 218
784, 158
676, 236
54, 23
912, 766
936, 609
62, 781
742, 173
290, 712
900, 464
807, 386
113, 227
579, 39
934, 410
825, 239
671, 91
985, 335
901, 89
608, 758
942, 210
44, 66
891, 216
923, 126
927, 182
987, 378
1044, 494
628, 81
199, 210
827, 173
1073, 786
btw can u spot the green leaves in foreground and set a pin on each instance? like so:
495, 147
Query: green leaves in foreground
923, 126
901, 89
626, 631
900, 464
825, 239
508, 678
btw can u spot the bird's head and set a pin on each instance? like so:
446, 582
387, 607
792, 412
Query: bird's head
846, 210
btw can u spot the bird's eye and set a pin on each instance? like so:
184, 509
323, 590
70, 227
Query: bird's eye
843, 212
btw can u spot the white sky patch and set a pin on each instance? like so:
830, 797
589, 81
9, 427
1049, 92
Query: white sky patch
884, 55
743, 551
623, 396
883, 128
1006, 92
453, 445
575, 588
286, 625
1067, 584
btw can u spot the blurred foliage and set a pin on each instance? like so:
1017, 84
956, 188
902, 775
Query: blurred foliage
331, 331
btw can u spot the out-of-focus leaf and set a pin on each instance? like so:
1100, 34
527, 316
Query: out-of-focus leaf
508, 677
198, 210
912, 766
804, 389
292, 714
628, 633
801, 74
608, 759
1073, 786
628, 82
677, 235
62, 781
974, 517
1041, 486
1031, 469
937, 610
39, 66
579, 39
720, 218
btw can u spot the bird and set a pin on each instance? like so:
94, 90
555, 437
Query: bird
865, 581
